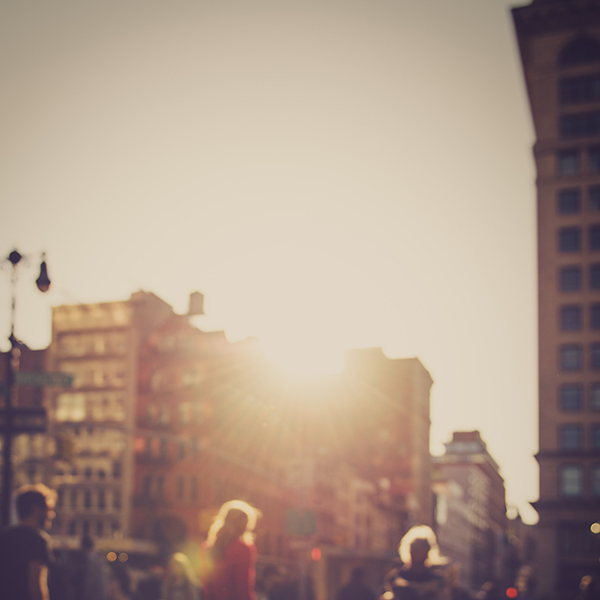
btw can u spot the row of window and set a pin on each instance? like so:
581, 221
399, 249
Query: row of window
572, 481
90, 473
582, 124
570, 277
570, 356
570, 317
569, 200
569, 161
77, 528
188, 413
571, 436
186, 487
574, 90
87, 499
570, 238
571, 396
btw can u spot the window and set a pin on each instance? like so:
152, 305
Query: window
571, 397
594, 198
101, 500
594, 159
570, 437
571, 481
147, 486
116, 469
595, 436
160, 487
595, 277
570, 318
571, 357
116, 499
87, 499
595, 355
595, 316
595, 396
87, 473
594, 237
579, 51
569, 201
73, 498
573, 90
194, 488
580, 124
99, 529
569, 239
570, 278
569, 163
596, 480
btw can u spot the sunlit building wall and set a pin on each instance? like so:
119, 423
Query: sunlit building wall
559, 43
29, 450
90, 425
468, 463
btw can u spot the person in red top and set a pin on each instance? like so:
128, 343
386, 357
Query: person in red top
228, 557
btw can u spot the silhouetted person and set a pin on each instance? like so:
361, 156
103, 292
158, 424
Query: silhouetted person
356, 588
25, 549
417, 579
228, 557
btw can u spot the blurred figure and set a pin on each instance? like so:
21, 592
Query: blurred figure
150, 587
588, 589
417, 578
91, 580
228, 557
268, 587
356, 588
180, 582
25, 549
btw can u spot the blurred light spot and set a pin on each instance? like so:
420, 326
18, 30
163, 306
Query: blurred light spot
595, 528
511, 592
111, 556
315, 554
123, 557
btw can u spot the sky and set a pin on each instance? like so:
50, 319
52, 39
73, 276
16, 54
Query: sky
330, 175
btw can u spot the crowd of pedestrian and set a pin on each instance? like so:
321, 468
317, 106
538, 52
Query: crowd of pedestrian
227, 567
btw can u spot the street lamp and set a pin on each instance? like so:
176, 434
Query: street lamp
11, 388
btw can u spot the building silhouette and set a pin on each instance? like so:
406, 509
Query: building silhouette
559, 43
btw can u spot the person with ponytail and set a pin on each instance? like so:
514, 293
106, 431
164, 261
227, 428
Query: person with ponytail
228, 557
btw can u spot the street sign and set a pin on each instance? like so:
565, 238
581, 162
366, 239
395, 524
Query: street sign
41, 379
300, 522
24, 420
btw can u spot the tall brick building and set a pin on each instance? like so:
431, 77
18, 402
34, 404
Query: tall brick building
559, 43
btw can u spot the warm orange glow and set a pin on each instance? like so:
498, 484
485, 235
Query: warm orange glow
111, 556
315, 554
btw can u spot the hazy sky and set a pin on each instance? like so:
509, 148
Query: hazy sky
330, 175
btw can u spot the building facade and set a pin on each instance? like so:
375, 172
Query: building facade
470, 491
559, 43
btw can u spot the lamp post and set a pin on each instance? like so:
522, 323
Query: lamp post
11, 390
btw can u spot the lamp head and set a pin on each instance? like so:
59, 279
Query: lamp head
43, 281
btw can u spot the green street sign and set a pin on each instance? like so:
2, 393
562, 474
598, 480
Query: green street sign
300, 522
24, 420
41, 379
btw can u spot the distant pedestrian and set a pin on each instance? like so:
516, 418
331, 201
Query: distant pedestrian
418, 578
228, 557
25, 549
91, 577
356, 588
181, 582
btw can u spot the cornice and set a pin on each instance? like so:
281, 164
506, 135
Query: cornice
555, 15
